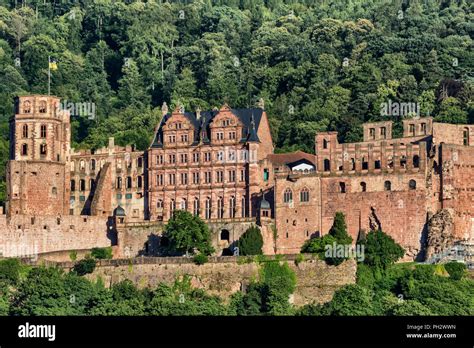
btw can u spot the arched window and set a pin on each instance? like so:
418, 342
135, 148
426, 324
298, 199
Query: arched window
363, 186
119, 183
388, 186
465, 135
342, 187
225, 235
73, 185
196, 206
129, 182
220, 208
24, 149
42, 107
208, 208
43, 149
416, 161
159, 204
184, 204
327, 165
304, 195
25, 131
232, 207
43, 131
287, 196
412, 184
82, 165
82, 185
27, 107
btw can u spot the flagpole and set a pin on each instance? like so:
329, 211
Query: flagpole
49, 75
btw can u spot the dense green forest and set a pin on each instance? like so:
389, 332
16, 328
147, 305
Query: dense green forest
318, 64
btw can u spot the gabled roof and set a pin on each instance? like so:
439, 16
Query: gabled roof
292, 158
201, 125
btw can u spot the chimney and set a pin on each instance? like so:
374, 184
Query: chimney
164, 109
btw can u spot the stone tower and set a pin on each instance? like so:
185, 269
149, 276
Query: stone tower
38, 170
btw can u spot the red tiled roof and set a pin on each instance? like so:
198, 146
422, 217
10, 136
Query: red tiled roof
286, 158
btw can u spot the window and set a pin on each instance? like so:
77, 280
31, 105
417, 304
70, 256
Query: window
196, 178
363, 186
423, 128
73, 185
159, 159
207, 177
232, 207
92, 164
416, 161
342, 187
383, 132
184, 204
219, 176
140, 162
244, 155
184, 138
119, 183
377, 164
82, 185
129, 182
82, 165
171, 138
387, 186
196, 157
24, 149
25, 131
371, 133
412, 129
172, 158
43, 149
232, 155
139, 181
172, 207
325, 144
172, 179
196, 206
244, 205
207, 157
225, 235
208, 207
26, 107
184, 178
159, 180
412, 184
304, 195
232, 135
184, 158
266, 174
220, 136
128, 196
42, 107
159, 204
220, 156
327, 165
242, 175
220, 208
226, 122
465, 135
287, 196
43, 131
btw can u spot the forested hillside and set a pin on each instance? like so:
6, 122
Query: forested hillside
319, 65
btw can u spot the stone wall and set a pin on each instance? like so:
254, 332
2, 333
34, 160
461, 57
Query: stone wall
223, 276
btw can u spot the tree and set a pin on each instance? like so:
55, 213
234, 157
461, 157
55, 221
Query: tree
352, 300
339, 229
85, 266
456, 270
187, 234
102, 253
381, 251
251, 242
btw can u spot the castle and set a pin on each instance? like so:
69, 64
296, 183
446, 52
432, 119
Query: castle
221, 166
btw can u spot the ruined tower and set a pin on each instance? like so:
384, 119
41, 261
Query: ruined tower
37, 172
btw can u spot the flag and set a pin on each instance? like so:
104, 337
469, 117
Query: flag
53, 65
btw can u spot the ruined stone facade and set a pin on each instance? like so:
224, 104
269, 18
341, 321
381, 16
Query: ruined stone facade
220, 165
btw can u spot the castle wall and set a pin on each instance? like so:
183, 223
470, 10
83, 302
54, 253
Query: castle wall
24, 235
453, 134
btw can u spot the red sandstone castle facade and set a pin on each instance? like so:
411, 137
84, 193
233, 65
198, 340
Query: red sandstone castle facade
220, 165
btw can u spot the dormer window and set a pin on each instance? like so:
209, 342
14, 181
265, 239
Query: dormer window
179, 125
42, 107
226, 122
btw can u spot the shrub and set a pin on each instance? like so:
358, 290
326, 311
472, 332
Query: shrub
200, 259
101, 253
73, 255
251, 242
10, 270
85, 266
456, 270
